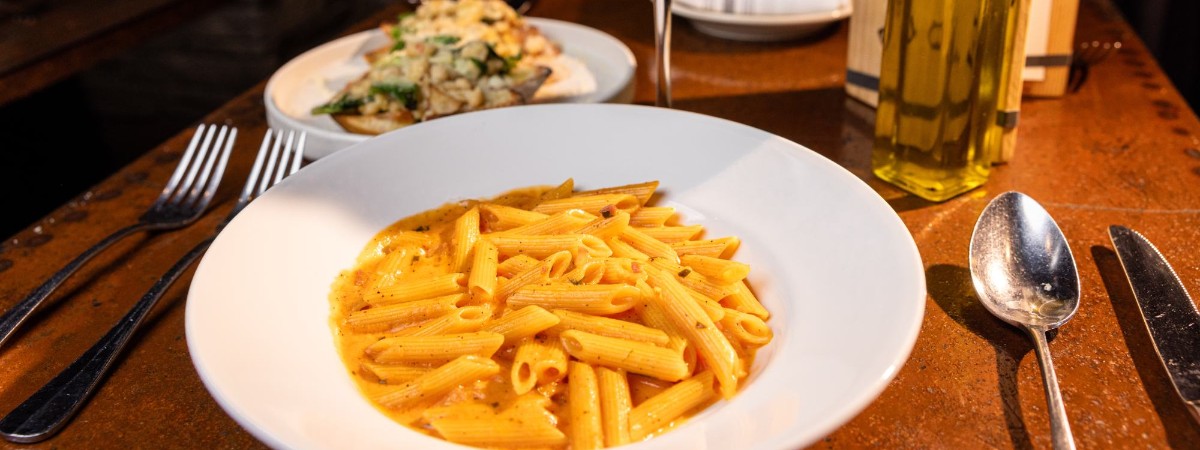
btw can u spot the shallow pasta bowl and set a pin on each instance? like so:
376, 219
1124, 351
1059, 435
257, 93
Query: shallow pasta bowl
831, 261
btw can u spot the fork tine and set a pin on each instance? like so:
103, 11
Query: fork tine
206, 172
214, 181
265, 181
252, 179
283, 160
299, 152
205, 146
182, 167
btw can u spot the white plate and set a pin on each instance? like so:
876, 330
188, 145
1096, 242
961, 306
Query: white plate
831, 260
314, 77
761, 27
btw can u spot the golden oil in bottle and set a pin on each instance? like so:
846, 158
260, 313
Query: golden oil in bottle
944, 66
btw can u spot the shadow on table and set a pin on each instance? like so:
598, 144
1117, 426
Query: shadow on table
1181, 431
951, 288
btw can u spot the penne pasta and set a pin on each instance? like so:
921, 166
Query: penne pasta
383, 318
740, 298
553, 266
603, 205
720, 271
602, 299
749, 330
692, 279
390, 374
606, 228
417, 349
517, 264
524, 322
494, 217
440, 381
499, 432
643, 191
584, 401
417, 289
668, 405
537, 362
543, 246
633, 356
466, 232
462, 320
622, 249
716, 248
585, 272
482, 282
649, 246
673, 234
651, 216
562, 222
563, 190
604, 326
615, 405
711, 346
622, 271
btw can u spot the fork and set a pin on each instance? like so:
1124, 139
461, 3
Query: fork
183, 200
48, 409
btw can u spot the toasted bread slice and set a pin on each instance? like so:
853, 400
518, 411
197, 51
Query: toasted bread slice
374, 124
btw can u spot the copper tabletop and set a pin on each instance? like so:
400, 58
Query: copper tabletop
1124, 150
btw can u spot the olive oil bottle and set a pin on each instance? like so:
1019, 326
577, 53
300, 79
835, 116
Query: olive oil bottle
945, 67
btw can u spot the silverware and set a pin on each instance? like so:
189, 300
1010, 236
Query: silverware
183, 200
662, 53
48, 409
1025, 275
1167, 309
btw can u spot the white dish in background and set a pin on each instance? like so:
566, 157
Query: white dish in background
314, 77
831, 260
761, 27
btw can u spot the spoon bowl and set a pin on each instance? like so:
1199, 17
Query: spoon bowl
1025, 275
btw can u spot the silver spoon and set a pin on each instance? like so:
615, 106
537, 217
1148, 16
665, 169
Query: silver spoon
1024, 274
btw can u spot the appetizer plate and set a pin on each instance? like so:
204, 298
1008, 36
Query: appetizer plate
761, 27
600, 70
831, 260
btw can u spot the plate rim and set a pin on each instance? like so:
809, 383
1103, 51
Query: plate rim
816, 17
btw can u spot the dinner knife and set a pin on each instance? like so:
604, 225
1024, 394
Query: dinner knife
1168, 311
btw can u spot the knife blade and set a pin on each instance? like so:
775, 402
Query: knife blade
1167, 310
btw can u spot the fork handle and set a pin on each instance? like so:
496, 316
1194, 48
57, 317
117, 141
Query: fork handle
48, 409
17, 315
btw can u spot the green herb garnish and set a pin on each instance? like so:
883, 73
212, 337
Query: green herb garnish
404, 92
443, 39
341, 105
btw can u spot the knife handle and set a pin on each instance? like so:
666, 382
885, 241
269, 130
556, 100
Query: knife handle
1060, 428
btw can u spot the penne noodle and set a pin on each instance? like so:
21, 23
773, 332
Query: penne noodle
524, 322
654, 316
586, 272
495, 218
604, 326
637, 357
651, 216
440, 381
713, 308
516, 264
543, 246
601, 299
603, 205
742, 299
499, 432
720, 271
553, 266
643, 191
711, 346
418, 289
750, 330
482, 282
606, 228
390, 374
622, 249
615, 405
466, 232
668, 405
584, 401
383, 318
462, 320
562, 222
673, 234
692, 279
417, 349
563, 190
653, 248
537, 362
622, 271
716, 248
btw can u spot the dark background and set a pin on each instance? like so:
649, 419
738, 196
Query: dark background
58, 142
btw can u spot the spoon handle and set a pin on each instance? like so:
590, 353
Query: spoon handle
1060, 429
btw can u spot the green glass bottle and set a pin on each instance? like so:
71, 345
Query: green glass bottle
945, 65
